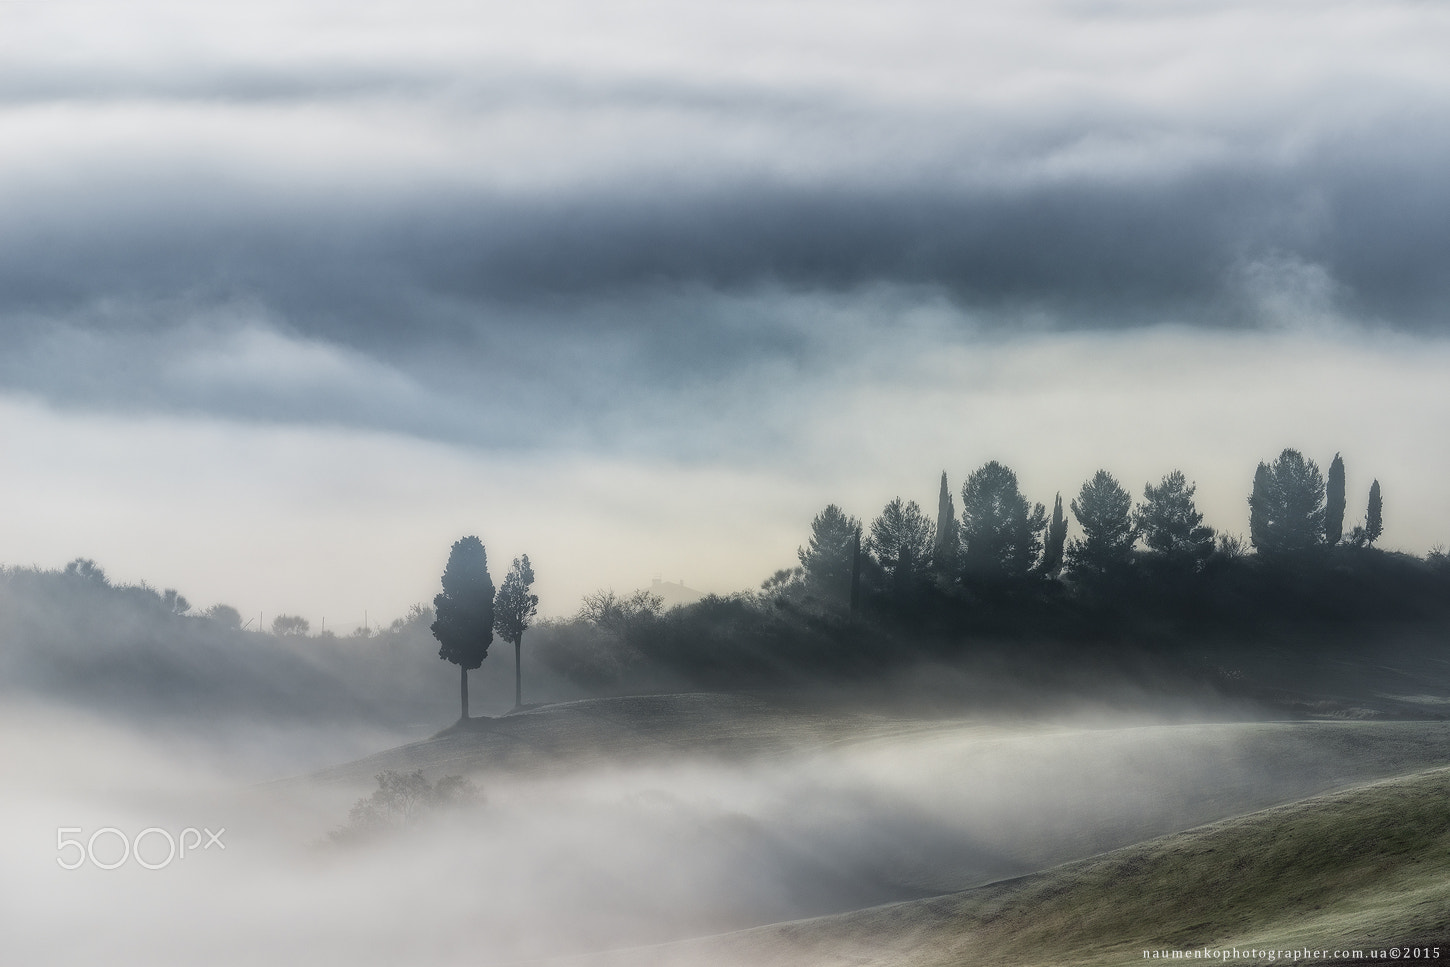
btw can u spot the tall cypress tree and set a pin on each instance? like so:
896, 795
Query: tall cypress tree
1259, 500
1374, 519
1056, 539
1334, 506
944, 547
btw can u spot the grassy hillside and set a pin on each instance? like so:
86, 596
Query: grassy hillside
1363, 868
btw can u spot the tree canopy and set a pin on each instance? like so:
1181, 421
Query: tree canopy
1104, 511
513, 611
900, 542
1000, 531
945, 541
1334, 506
464, 609
1171, 524
827, 557
1374, 518
1286, 508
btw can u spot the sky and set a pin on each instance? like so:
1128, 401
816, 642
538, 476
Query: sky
292, 296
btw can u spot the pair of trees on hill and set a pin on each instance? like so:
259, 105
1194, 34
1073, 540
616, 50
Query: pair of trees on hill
469, 612
1167, 520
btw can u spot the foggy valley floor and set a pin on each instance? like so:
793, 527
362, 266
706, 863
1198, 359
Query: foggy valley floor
609, 824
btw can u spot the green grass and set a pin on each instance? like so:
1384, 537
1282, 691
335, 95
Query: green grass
1368, 867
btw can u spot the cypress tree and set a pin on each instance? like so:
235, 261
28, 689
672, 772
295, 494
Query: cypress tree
1334, 507
1056, 539
1259, 501
944, 547
1374, 520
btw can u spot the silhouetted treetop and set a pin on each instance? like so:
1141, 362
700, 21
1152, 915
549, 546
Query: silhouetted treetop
464, 609
900, 542
1000, 530
1054, 546
1171, 524
828, 556
1104, 511
1286, 508
513, 611
1334, 505
1374, 519
945, 541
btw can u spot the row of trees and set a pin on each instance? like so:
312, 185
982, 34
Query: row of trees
469, 612
999, 535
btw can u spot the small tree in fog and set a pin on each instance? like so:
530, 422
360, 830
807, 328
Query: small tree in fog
464, 609
1171, 524
174, 601
402, 800
1334, 503
1104, 512
225, 615
87, 570
617, 615
290, 625
900, 542
828, 557
1000, 531
1286, 508
513, 611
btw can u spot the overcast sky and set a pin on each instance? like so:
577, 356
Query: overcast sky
294, 295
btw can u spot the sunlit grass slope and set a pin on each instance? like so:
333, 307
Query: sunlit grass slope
1367, 867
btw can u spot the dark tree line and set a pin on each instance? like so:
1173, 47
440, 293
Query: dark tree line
1000, 538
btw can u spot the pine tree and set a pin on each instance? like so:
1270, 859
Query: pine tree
827, 559
513, 612
944, 548
1171, 524
1286, 508
1334, 506
464, 625
1374, 519
1104, 512
900, 541
1001, 533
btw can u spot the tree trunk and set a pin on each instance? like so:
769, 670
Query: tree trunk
463, 688
518, 676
